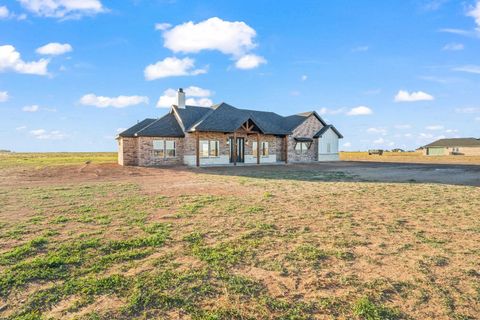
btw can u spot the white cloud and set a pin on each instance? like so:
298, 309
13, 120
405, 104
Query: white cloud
162, 26
453, 47
21, 128
32, 108
63, 8
195, 97
115, 102
4, 12
10, 60
233, 38
250, 61
359, 111
434, 127
475, 13
3, 96
119, 130
379, 141
405, 96
172, 67
403, 126
381, 131
456, 31
451, 131
43, 134
347, 145
54, 48
468, 69
304, 77
477, 119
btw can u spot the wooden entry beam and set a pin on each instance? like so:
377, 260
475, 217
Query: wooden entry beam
235, 148
197, 148
258, 148
286, 149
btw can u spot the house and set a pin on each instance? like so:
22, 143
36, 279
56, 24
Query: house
457, 146
223, 135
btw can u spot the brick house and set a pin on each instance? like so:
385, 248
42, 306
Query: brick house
454, 146
223, 135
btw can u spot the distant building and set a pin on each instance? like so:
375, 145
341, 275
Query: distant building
457, 146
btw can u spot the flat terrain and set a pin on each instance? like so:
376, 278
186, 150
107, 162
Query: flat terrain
349, 240
409, 157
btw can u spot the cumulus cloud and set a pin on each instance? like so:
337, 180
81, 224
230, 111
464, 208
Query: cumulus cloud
115, 102
54, 48
453, 47
327, 111
21, 128
32, 108
475, 14
196, 96
469, 69
234, 38
347, 144
4, 12
172, 67
3, 96
250, 61
10, 60
359, 111
43, 134
63, 8
405, 96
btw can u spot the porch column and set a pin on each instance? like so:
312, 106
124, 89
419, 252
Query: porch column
234, 148
258, 148
197, 148
286, 149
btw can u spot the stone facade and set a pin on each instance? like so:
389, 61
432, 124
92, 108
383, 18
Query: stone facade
139, 150
306, 130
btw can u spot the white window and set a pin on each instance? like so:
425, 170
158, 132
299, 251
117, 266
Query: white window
301, 147
169, 148
209, 148
164, 148
329, 148
159, 148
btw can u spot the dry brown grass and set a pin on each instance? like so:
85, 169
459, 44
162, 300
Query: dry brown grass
213, 244
408, 157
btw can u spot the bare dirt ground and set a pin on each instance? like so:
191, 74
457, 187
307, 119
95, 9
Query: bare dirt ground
345, 240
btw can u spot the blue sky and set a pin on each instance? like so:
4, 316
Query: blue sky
397, 73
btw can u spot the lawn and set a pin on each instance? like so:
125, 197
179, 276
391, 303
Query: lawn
193, 244
408, 157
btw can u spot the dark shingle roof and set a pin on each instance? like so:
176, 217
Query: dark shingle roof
191, 114
166, 126
324, 129
219, 118
456, 142
225, 118
130, 132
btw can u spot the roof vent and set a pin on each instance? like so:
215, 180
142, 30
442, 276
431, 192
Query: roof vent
181, 98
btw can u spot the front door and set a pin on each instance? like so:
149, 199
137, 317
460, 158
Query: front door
240, 149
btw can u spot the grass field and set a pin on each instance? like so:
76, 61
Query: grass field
408, 157
105, 242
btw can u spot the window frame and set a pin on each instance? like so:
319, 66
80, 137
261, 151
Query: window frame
304, 147
162, 151
216, 143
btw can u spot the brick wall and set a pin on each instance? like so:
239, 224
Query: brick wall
127, 152
306, 130
147, 157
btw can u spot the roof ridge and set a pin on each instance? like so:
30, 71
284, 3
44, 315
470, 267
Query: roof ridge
150, 124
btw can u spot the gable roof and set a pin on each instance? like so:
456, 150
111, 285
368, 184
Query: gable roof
130, 132
455, 142
218, 118
166, 126
325, 129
